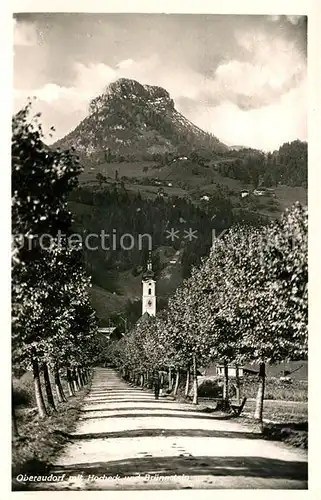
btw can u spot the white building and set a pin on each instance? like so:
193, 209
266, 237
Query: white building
231, 371
258, 192
149, 290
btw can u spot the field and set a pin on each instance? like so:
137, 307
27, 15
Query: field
279, 411
189, 179
127, 169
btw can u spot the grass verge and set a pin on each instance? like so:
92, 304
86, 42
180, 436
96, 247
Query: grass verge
294, 434
39, 442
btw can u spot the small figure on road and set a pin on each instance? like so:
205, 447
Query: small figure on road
156, 385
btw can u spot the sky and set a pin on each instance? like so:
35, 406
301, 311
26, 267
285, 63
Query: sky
242, 78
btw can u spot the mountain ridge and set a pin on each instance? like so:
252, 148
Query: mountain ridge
130, 118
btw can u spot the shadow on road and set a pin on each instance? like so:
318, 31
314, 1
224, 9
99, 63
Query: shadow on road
152, 415
163, 432
193, 466
136, 400
145, 408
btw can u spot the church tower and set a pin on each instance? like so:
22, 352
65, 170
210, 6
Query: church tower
149, 290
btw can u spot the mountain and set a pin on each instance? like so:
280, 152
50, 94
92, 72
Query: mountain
134, 119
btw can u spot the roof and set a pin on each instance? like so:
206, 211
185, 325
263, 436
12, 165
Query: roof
144, 318
148, 275
107, 330
110, 332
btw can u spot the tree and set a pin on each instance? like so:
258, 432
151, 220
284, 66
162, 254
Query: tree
44, 269
266, 292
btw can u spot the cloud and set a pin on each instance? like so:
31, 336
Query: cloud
269, 70
63, 107
127, 63
295, 20
265, 128
259, 99
279, 59
24, 34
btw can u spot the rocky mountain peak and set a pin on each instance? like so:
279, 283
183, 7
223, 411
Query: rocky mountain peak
130, 118
125, 89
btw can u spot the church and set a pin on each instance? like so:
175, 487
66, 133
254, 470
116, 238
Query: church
149, 290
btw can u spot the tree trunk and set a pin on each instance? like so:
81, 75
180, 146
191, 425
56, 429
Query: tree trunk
83, 376
74, 380
78, 376
187, 382
237, 384
170, 380
50, 398
142, 380
225, 388
69, 382
195, 385
260, 395
59, 390
38, 393
176, 382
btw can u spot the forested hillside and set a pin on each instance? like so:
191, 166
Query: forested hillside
287, 165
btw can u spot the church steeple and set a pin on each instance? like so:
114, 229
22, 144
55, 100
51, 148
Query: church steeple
149, 289
149, 273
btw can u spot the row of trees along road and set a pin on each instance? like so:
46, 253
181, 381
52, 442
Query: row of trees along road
53, 324
246, 303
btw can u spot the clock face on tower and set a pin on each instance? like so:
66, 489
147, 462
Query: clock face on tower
149, 303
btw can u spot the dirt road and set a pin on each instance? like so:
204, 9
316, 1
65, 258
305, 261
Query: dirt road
127, 440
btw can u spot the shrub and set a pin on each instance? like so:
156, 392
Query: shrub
20, 397
23, 391
212, 387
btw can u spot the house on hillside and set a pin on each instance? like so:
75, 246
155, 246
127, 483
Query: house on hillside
110, 332
231, 370
244, 193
